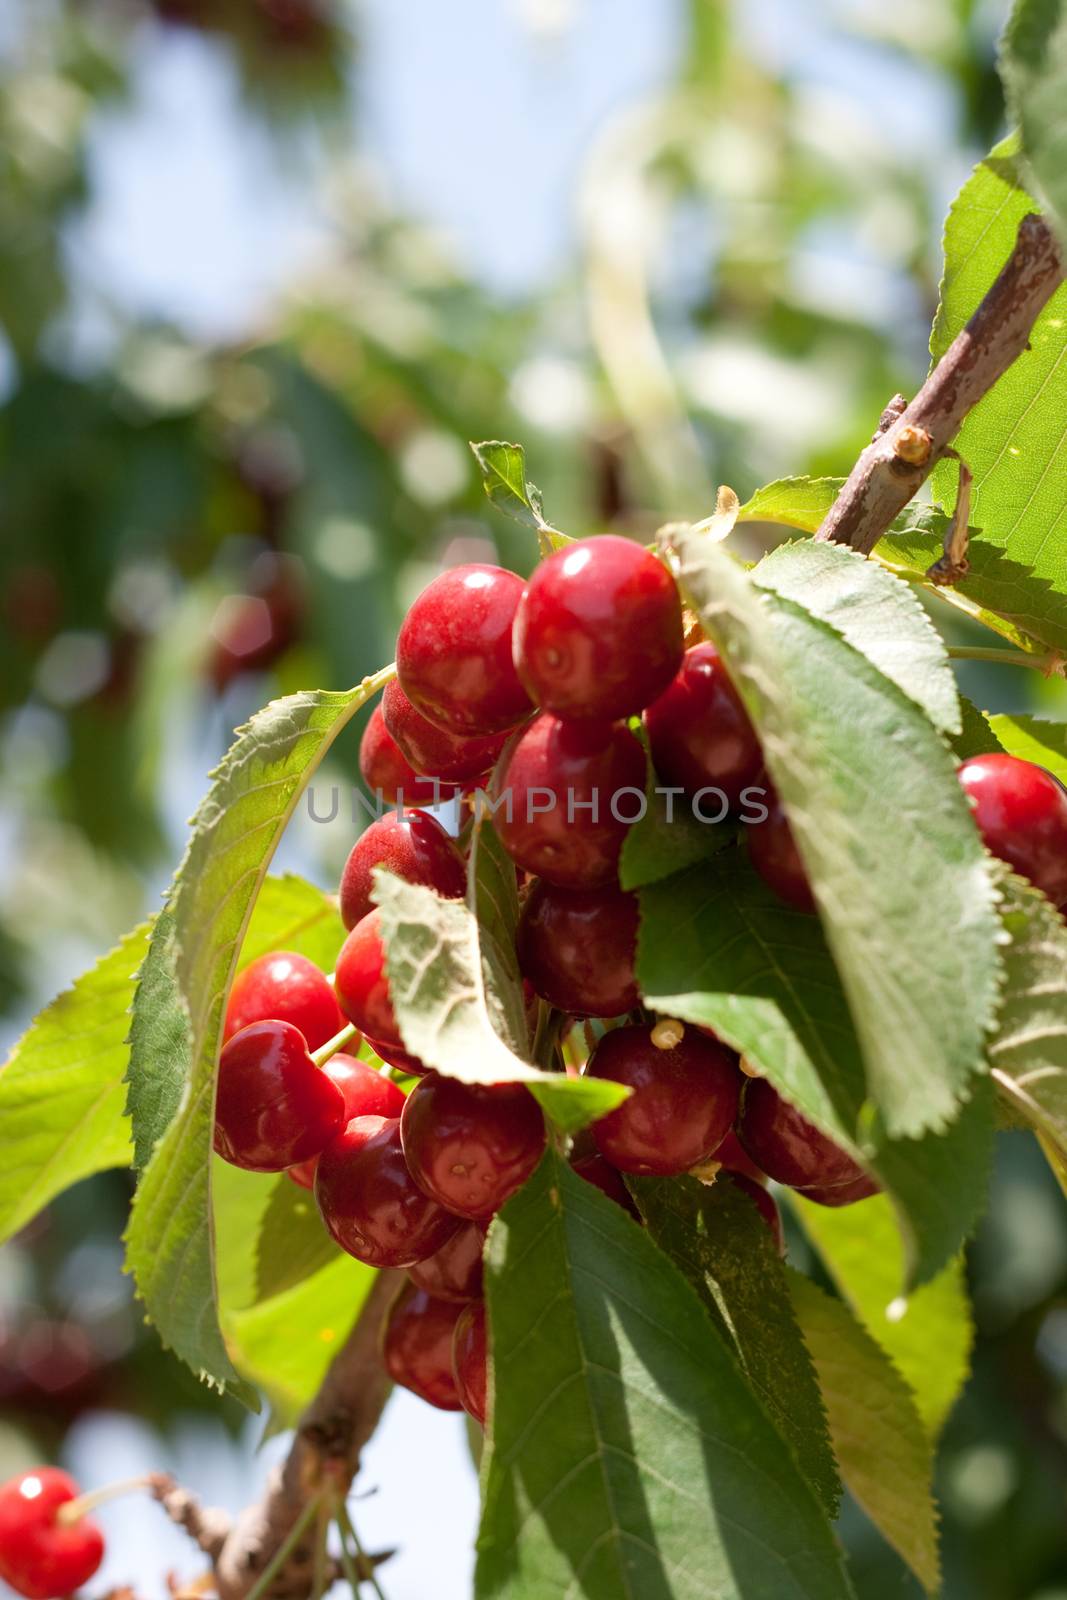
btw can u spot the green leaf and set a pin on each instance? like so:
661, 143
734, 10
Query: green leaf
627, 1455
503, 469
291, 1243
1034, 740
715, 1235
1033, 64
884, 1452
667, 838
61, 1094
795, 502
292, 914
977, 737
1028, 1053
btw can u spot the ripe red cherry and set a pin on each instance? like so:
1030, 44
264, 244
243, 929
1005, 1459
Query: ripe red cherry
40, 1556
417, 1346
284, 987
683, 1104
790, 1150
470, 1360
763, 1202
387, 771
453, 652
455, 1271
393, 1056
773, 852
598, 632
274, 1107
578, 947
699, 731
842, 1194
561, 783
362, 984
451, 757
731, 1156
366, 1093
369, 1201
471, 1145
415, 847
1021, 812
608, 1179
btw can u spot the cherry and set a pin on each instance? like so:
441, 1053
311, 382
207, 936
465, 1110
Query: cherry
388, 772
562, 780
362, 984
471, 1145
415, 847
578, 947
393, 1056
683, 1104
432, 751
453, 652
791, 1150
608, 1179
699, 730
274, 1106
40, 1556
369, 1201
417, 1346
842, 1194
773, 852
598, 632
284, 987
470, 1360
732, 1157
455, 1271
1021, 813
763, 1202
366, 1093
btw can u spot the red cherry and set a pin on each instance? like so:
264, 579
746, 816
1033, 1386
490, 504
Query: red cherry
455, 1272
393, 1056
1021, 813
608, 1179
790, 1150
731, 1155
366, 1093
274, 1107
284, 987
415, 847
699, 730
388, 773
773, 852
453, 652
578, 946
598, 632
842, 1194
763, 1202
565, 783
417, 1346
40, 1556
362, 984
369, 1201
432, 751
471, 1145
683, 1104
470, 1360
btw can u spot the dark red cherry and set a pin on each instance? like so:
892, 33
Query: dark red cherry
683, 1104
608, 1179
451, 757
785, 1146
362, 984
370, 1203
699, 731
471, 1145
455, 1272
284, 987
470, 1360
389, 774
842, 1194
598, 632
40, 1556
274, 1107
453, 652
393, 1056
417, 1346
773, 852
763, 1202
732, 1156
578, 947
366, 1094
1021, 812
415, 847
571, 790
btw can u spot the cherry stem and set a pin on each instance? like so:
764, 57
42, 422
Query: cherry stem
1002, 658
73, 1510
331, 1047
347, 1531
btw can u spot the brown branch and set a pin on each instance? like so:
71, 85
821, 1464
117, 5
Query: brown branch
911, 441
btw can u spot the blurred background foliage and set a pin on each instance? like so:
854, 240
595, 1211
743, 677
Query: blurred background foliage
266, 266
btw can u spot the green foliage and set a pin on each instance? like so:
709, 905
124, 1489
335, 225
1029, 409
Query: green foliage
1028, 1052
1034, 739
795, 502
503, 469
667, 838
1033, 64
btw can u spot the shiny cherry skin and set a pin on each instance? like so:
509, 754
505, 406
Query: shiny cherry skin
683, 1104
471, 1145
417, 1346
564, 781
842, 1194
455, 1272
786, 1146
284, 987
470, 1360
699, 731
578, 947
453, 652
393, 1056
413, 846
389, 774
598, 632
274, 1107
608, 1179
41, 1557
452, 757
732, 1156
764, 1203
367, 1093
370, 1203
362, 983
773, 852
1021, 813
